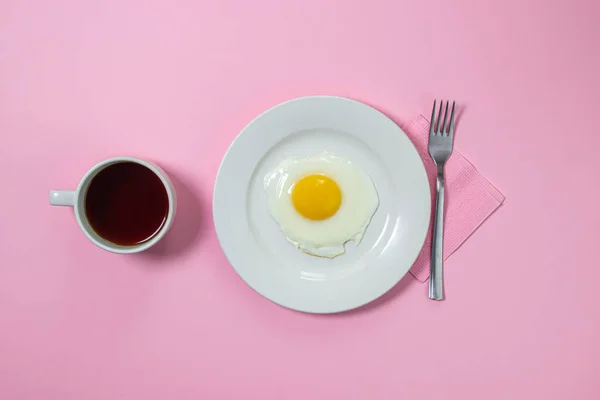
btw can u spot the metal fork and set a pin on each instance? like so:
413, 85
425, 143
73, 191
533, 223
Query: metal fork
440, 148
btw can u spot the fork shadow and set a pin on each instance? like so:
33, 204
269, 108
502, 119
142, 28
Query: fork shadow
459, 112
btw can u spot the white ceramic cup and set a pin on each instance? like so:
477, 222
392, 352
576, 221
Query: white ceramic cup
76, 199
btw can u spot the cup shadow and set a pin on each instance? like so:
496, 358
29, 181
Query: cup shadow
192, 215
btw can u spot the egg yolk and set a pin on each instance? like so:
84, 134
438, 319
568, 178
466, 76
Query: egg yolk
316, 197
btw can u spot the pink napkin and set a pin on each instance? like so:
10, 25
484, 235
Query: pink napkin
470, 198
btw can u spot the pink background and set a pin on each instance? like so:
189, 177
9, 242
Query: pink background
175, 81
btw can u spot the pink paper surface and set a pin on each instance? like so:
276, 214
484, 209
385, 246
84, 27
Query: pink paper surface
469, 200
175, 81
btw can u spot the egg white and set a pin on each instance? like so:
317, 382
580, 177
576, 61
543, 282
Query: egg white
325, 238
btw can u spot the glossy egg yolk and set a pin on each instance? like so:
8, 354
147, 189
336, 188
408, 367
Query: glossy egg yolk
316, 197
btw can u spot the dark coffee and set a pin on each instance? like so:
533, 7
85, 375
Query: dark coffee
126, 203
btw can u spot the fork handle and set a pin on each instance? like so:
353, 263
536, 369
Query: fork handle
436, 279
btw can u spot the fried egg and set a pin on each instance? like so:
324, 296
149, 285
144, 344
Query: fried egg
321, 202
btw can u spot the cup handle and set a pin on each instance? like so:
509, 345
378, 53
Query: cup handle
62, 198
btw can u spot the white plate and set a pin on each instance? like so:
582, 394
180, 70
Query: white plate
257, 249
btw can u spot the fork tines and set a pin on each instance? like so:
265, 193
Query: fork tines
439, 126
